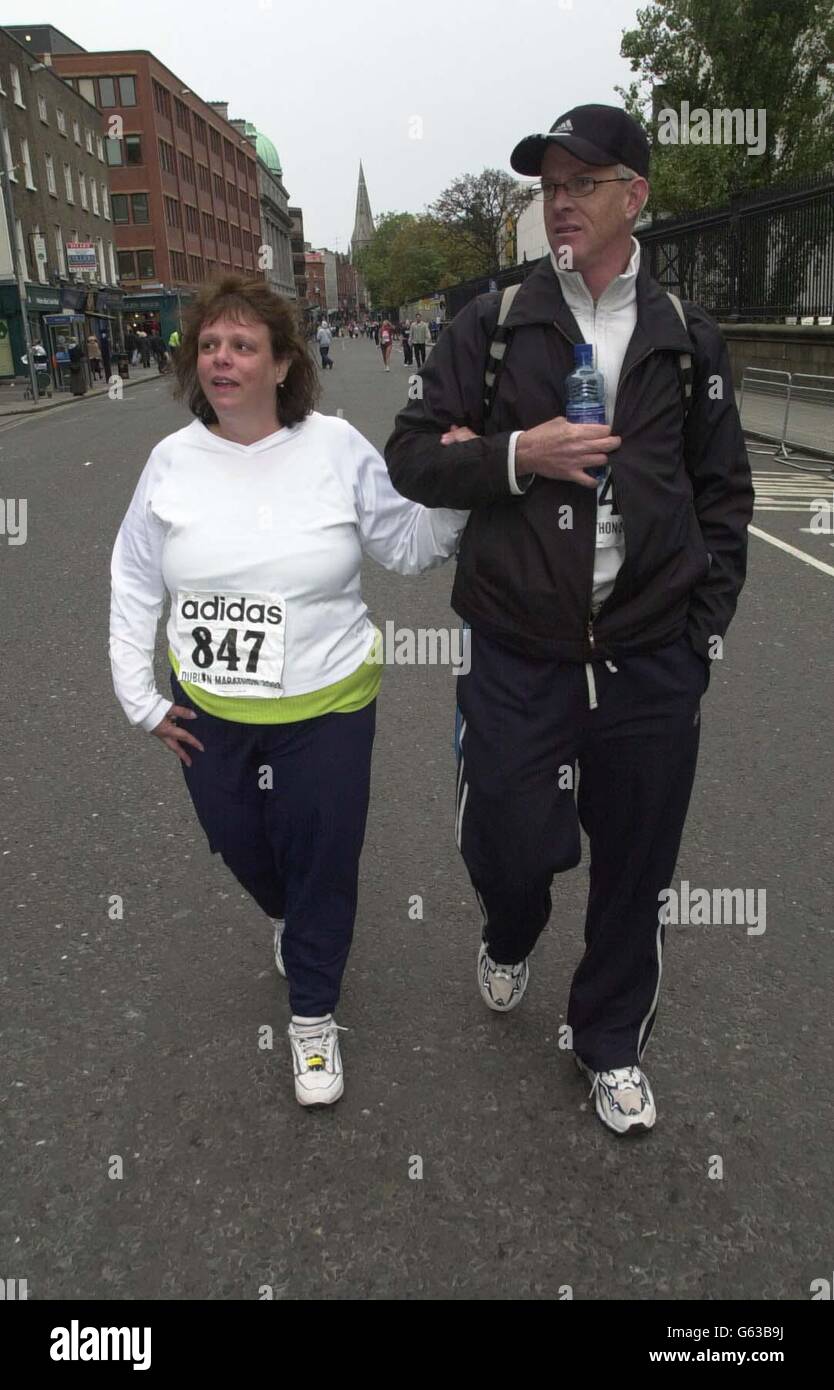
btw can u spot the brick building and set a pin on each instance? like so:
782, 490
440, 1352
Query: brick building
185, 193
55, 160
298, 261
316, 288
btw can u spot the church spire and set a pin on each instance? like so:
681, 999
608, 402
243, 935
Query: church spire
363, 226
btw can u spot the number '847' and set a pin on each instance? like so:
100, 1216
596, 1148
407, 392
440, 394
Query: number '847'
204, 655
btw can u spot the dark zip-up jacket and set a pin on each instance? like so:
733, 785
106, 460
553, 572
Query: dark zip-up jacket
684, 490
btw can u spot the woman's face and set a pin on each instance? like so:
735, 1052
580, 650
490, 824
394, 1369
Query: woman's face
236, 368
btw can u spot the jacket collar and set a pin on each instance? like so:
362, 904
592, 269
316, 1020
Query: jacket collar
540, 300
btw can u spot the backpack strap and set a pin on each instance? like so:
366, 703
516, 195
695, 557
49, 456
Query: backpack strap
497, 349
684, 358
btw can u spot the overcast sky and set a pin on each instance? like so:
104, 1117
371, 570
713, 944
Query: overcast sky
333, 81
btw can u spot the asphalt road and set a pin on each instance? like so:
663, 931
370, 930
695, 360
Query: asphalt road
139, 1037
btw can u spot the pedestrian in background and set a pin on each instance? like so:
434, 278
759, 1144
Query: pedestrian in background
105, 353
419, 337
324, 338
144, 347
405, 337
386, 342
94, 354
272, 651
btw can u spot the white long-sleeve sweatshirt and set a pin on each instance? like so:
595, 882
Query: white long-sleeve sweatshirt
274, 531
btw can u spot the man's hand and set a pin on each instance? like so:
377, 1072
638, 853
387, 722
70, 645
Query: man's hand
558, 449
458, 434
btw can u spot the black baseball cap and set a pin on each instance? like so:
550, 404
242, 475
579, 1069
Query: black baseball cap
595, 134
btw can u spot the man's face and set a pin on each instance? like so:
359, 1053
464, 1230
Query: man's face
589, 226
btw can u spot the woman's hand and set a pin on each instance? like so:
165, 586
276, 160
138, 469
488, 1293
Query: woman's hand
458, 434
172, 736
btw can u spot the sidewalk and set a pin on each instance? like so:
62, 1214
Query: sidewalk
13, 401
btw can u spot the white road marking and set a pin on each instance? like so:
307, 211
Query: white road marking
792, 550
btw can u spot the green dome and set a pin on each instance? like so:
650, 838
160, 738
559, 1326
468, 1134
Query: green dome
268, 153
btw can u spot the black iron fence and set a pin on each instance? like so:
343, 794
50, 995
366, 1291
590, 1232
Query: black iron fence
765, 256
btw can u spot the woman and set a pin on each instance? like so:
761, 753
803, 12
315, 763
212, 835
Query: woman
386, 342
94, 354
254, 519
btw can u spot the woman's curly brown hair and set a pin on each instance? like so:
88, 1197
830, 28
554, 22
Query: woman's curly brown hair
234, 297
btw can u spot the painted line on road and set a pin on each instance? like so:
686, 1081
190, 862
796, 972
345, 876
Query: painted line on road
792, 550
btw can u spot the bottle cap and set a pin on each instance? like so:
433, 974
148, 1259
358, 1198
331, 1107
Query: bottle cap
583, 354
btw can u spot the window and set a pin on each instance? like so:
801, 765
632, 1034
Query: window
16, 92
120, 208
208, 225
94, 197
127, 91
192, 219
2, 88
254, 204
50, 175
229, 151
133, 149
8, 152
88, 136
204, 178
139, 207
181, 114
187, 167
102, 268
236, 236
166, 157
199, 129
87, 89
27, 163
106, 91
223, 230
82, 189
42, 108
214, 140
195, 265
218, 186
127, 265
114, 152
162, 99
172, 212
59, 251
231, 195
114, 275
60, 121
21, 246
39, 257
68, 183
145, 263
76, 132
179, 265
105, 202
100, 148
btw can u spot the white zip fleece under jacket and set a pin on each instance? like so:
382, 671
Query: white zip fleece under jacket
290, 517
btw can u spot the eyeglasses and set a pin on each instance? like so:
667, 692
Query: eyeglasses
579, 186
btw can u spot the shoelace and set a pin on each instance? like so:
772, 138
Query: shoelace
630, 1080
318, 1044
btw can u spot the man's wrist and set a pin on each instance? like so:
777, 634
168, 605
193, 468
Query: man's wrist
519, 483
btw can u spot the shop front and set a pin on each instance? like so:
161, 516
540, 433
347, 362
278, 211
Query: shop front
66, 332
155, 311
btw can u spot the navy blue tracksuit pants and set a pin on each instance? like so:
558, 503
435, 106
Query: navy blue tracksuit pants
524, 726
295, 846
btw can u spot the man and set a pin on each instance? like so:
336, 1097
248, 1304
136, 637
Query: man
595, 606
324, 338
174, 344
419, 339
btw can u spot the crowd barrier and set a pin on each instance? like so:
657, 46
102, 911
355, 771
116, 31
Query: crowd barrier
790, 411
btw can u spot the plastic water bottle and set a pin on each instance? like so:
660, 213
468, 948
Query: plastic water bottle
585, 391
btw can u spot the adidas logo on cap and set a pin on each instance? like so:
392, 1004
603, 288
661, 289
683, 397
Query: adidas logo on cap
563, 125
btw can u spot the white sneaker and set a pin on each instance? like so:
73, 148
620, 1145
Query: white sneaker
502, 986
317, 1062
624, 1100
279, 959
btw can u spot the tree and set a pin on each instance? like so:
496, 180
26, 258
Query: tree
474, 210
770, 56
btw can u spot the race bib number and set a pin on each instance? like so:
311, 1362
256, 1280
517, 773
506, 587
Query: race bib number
610, 530
232, 644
